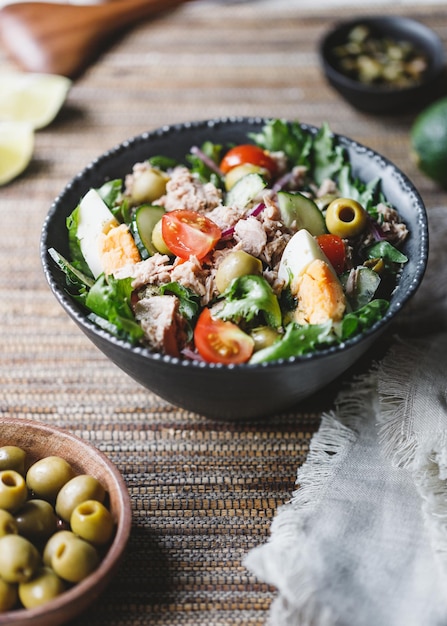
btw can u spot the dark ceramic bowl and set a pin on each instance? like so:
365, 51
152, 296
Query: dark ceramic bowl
215, 390
386, 100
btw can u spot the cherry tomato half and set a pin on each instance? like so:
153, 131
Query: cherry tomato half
334, 248
247, 153
219, 341
188, 233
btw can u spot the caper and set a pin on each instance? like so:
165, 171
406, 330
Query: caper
46, 476
43, 587
14, 458
19, 559
73, 558
36, 520
92, 521
234, 264
13, 491
78, 489
8, 596
264, 336
346, 218
8, 524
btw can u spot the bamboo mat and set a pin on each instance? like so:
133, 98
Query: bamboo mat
203, 492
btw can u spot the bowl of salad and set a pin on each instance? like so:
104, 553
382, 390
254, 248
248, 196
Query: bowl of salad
236, 266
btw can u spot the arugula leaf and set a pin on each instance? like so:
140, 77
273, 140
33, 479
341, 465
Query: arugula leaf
386, 251
198, 166
327, 156
297, 340
368, 195
248, 296
77, 258
278, 135
355, 322
109, 298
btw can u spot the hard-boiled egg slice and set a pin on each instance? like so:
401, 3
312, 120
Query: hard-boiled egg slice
94, 219
301, 250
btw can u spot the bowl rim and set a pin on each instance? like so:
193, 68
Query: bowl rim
115, 551
78, 315
437, 54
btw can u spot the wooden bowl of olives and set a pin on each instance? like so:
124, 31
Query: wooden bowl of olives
65, 519
383, 64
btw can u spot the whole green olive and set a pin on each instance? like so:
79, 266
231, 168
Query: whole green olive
46, 476
19, 559
148, 185
92, 521
12, 457
72, 558
234, 264
43, 587
13, 491
8, 524
346, 218
36, 520
53, 544
264, 336
78, 489
8, 596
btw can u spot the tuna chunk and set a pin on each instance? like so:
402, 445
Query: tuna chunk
186, 191
152, 271
250, 235
162, 324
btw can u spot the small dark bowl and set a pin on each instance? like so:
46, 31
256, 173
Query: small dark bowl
386, 100
215, 390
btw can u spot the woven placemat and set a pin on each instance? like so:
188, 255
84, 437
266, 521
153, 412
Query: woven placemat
203, 492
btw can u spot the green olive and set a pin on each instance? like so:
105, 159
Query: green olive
19, 559
148, 185
53, 543
346, 218
43, 587
36, 520
8, 596
46, 476
72, 558
264, 336
8, 524
158, 241
12, 457
92, 521
235, 264
13, 491
78, 489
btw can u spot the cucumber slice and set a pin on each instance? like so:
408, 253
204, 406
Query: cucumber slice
245, 190
145, 218
303, 211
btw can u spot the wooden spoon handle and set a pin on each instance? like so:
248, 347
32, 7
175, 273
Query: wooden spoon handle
64, 38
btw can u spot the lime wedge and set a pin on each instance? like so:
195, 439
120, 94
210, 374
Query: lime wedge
16, 149
32, 98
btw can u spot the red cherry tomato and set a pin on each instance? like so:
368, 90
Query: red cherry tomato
247, 153
334, 248
188, 233
219, 341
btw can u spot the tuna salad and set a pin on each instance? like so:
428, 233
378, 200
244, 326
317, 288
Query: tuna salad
241, 253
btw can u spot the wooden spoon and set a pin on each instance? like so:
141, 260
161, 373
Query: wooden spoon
64, 38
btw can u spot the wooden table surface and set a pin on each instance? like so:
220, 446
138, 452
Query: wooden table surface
203, 493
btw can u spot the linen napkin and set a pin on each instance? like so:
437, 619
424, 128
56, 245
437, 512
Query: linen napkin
363, 540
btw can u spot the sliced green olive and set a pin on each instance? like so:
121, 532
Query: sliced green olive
346, 218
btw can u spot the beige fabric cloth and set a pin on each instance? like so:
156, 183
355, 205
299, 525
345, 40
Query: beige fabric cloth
365, 533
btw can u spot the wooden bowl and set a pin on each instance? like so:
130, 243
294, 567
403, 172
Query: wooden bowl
41, 440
